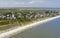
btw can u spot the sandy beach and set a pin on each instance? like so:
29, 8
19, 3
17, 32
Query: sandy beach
20, 29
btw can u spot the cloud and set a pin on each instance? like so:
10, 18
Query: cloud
32, 2
19, 3
29, 3
10, 2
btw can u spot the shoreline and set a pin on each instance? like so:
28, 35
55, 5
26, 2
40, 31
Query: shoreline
20, 29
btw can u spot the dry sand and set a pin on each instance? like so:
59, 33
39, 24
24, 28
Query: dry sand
20, 29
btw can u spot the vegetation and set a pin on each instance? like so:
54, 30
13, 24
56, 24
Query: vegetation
10, 18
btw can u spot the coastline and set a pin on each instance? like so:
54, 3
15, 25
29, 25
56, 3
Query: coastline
20, 29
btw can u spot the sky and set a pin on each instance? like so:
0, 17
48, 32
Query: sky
30, 3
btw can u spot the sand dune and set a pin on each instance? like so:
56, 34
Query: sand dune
20, 29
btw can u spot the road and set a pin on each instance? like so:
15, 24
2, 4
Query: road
49, 29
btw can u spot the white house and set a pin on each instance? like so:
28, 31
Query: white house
10, 16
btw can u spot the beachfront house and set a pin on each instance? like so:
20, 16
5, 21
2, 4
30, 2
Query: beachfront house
20, 15
10, 16
37, 16
2, 17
